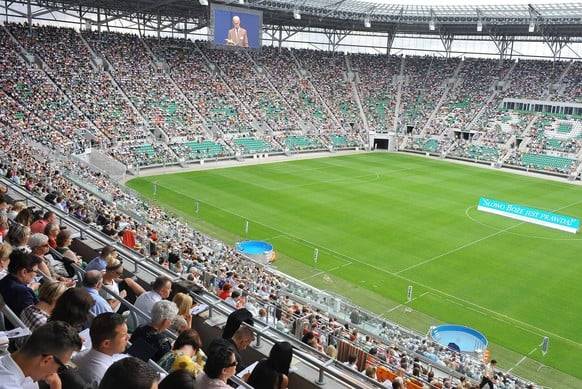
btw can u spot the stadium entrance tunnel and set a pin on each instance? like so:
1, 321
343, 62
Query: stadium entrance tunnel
381, 144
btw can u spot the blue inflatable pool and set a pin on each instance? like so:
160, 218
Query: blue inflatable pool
459, 338
257, 249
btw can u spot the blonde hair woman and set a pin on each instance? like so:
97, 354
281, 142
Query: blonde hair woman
5, 251
35, 316
184, 303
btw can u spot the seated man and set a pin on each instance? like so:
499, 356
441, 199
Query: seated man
161, 289
100, 262
93, 281
39, 245
14, 287
111, 280
38, 226
46, 351
130, 373
109, 339
241, 339
149, 341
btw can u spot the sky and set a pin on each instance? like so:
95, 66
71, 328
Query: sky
473, 2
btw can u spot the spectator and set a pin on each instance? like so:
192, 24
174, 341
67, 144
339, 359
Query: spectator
93, 281
398, 383
273, 372
16, 208
39, 246
310, 339
73, 308
52, 231
331, 351
184, 303
39, 226
225, 291
178, 379
14, 288
241, 339
24, 217
47, 350
68, 256
37, 315
130, 373
161, 289
5, 251
220, 366
151, 336
113, 271
18, 236
352, 362
109, 338
186, 354
100, 262
489, 375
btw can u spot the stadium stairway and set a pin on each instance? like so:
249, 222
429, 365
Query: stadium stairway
307, 77
443, 98
399, 95
356, 94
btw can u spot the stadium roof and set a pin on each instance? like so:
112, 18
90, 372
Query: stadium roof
563, 20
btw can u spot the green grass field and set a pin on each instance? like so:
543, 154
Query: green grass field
384, 221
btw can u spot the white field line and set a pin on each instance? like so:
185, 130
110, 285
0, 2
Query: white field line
521, 360
475, 242
516, 322
327, 271
402, 305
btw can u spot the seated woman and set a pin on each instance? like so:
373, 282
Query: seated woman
63, 240
36, 315
186, 354
273, 372
184, 303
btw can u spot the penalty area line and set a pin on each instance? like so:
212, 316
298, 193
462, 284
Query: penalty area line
327, 271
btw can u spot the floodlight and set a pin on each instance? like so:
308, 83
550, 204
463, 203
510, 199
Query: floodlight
432, 25
479, 25
241, 2
203, 2
532, 26
296, 14
367, 22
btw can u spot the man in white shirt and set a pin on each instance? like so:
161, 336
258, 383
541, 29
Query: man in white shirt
47, 350
161, 289
109, 339
489, 375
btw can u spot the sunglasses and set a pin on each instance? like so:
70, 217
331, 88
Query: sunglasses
61, 364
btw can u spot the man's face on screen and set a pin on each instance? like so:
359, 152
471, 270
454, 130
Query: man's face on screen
236, 22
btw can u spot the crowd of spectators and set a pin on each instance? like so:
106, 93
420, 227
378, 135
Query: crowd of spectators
217, 268
378, 87
327, 72
62, 301
424, 83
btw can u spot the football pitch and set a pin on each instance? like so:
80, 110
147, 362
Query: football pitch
382, 222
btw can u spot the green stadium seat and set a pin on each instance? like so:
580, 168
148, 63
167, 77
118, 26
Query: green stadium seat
295, 142
253, 145
147, 149
547, 162
486, 153
205, 149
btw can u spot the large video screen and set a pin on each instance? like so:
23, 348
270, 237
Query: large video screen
236, 27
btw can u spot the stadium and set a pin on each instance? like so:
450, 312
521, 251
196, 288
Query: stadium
301, 194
